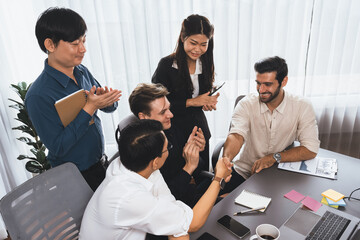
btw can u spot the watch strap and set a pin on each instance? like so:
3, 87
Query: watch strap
277, 157
220, 180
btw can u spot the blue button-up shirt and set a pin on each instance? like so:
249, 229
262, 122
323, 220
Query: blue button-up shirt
79, 142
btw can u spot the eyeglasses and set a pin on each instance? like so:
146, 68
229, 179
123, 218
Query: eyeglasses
169, 147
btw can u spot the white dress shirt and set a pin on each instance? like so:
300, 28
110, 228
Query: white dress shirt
127, 206
265, 132
194, 77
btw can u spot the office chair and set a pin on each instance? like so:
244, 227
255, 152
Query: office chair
123, 123
220, 145
47, 206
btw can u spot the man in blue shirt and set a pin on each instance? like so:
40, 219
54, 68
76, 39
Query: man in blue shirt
61, 34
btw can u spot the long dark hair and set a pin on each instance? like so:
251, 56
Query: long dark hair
195, 24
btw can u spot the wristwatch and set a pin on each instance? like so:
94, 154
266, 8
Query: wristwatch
277, 157
220, 180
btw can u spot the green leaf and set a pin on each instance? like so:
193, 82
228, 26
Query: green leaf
47, 165
33, 144
40, 156
22, 121
22, 85
21, 157
21, 89
24, 117
30, 142
33, 151
25, 140
17, 102
42, 148
25, 129
29, 86
21, 128
34, 167
16, 107
16, 87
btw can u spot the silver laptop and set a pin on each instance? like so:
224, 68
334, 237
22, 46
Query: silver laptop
304, 223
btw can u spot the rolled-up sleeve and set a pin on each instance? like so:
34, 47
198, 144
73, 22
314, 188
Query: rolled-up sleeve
307, 132
240, 120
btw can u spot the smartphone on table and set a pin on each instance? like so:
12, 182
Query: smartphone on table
233, 226
207, 236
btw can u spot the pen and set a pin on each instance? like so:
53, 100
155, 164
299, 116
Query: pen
249, 210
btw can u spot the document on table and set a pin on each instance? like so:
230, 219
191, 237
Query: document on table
319, 166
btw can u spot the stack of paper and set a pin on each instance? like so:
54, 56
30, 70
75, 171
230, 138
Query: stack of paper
333, 198
319, 166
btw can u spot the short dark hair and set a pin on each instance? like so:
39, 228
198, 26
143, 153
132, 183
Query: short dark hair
139, 143
143, 95
273, 64
59, 24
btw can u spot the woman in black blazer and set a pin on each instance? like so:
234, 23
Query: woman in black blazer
188, 74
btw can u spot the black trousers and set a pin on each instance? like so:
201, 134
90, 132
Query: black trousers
94, 175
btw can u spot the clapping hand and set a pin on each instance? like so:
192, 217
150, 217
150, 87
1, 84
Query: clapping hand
191, 156
197, 137
103, 97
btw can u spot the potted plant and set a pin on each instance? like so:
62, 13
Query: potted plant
38, 163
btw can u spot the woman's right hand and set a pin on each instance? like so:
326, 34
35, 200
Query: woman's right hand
202, 100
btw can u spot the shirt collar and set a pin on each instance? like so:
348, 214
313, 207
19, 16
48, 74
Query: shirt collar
120, 169
198, 66
62, 78
280, 108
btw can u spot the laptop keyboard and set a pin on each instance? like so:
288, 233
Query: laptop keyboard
330, 227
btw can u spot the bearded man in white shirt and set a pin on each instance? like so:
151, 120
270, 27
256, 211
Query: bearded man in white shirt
266, 124
134, 198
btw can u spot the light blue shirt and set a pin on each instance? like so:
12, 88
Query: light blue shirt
79, 142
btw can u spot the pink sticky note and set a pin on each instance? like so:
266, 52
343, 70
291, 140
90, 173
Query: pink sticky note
294, 196
311, 203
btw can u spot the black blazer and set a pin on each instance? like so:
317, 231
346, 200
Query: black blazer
184, 118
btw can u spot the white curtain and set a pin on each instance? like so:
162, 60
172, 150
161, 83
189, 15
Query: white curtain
333, 74
320, 39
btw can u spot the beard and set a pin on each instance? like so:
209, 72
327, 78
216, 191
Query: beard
271, 97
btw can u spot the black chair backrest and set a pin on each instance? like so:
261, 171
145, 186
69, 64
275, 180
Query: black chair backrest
123, 123
238, 99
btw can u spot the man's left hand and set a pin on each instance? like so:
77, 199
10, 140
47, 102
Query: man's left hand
262, 163
197, 137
